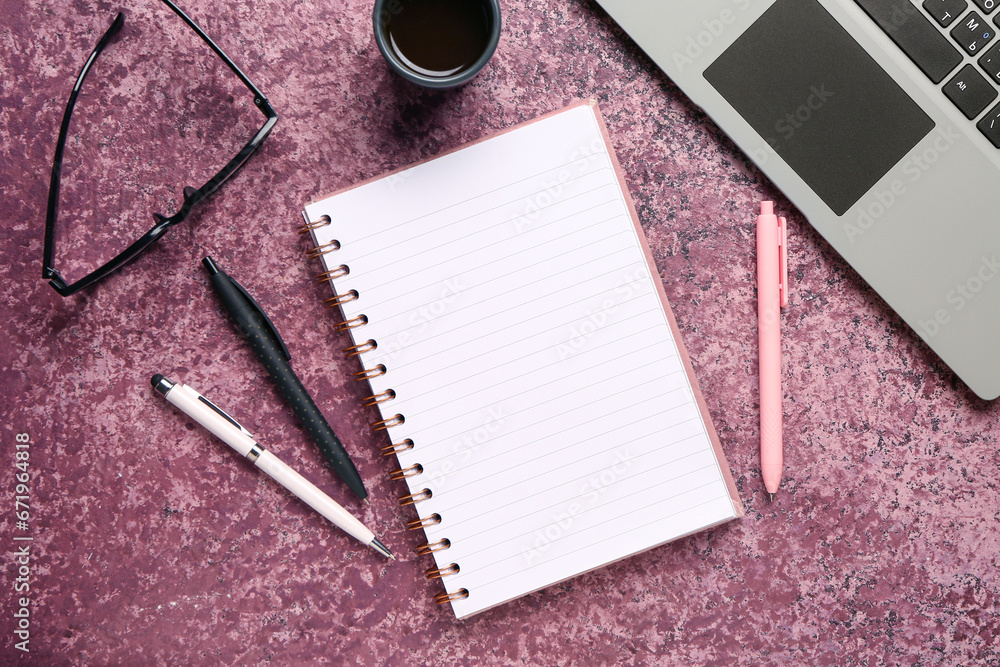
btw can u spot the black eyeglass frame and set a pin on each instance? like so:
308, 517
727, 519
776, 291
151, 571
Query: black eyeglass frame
191, 196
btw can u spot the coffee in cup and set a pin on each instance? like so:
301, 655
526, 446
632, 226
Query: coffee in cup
437, 43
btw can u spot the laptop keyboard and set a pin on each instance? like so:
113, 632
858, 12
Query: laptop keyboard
937, 36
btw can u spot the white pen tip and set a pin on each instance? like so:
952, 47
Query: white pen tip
381, 548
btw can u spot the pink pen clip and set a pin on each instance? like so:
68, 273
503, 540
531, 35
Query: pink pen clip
783, 261
772, 295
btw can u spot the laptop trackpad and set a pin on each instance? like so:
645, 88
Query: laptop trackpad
821, 102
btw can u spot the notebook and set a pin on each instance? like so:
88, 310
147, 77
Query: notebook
516, 337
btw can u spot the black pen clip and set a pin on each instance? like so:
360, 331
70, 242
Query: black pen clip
263, 317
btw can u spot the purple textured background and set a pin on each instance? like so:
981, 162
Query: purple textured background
151, 543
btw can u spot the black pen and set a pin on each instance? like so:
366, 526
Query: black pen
256, 327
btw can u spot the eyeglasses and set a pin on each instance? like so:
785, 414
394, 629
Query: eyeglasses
192, 196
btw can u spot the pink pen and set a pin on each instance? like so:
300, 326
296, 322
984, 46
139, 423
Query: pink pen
772, 294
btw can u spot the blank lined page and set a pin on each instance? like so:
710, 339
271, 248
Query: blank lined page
531, 357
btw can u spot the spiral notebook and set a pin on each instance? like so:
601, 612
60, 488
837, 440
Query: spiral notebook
518, 343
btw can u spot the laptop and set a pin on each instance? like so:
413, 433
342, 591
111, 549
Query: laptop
880, 121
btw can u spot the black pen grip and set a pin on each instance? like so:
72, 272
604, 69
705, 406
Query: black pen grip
270, 353
254, 325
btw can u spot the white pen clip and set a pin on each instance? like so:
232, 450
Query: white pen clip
206, 413
222, 413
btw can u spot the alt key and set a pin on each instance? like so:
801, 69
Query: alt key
970, 91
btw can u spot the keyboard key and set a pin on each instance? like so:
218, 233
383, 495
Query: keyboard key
946, 11
990, 62
970, 91
986, 5
915, 35
990, 125
972, 33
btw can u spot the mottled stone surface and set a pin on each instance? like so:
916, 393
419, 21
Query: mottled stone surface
153, 544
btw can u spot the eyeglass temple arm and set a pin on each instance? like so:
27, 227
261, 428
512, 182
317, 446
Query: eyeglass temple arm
53, 205
259, 98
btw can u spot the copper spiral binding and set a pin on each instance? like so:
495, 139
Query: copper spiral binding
431, 547
323, 221
460, 594
367, 374
441, 572
339, 299
352, 323
414, 498
318, 251
397, 447
403, 473
366, 346
333, 274
381, 397
370, 373
417, 524
394, 420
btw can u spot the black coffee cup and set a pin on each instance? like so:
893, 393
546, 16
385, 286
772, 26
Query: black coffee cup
437, 43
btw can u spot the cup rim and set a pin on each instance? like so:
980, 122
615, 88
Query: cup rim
433, 81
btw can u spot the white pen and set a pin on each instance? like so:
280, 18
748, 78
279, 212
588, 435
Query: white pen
230, 432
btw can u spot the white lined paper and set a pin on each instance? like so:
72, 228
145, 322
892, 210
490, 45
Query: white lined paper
531, 356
